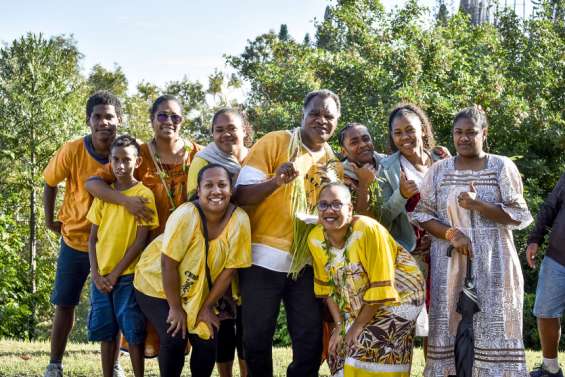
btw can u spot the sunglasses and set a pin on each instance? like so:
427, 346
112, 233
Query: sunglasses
335, 205
163, 117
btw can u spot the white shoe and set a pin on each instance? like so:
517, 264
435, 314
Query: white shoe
118, 371
54, 370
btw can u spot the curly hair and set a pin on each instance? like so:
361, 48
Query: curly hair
324, 93
103, 97
124, 141
404, 109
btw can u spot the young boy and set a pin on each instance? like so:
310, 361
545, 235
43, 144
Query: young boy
74, 163
115, 243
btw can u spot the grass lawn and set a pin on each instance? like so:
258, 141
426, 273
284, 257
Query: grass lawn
24, 359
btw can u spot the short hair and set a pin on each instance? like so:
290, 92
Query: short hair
475, 114
404, 109
343, 131
324, 93
124, 141
103, 97
340, 185
160, 100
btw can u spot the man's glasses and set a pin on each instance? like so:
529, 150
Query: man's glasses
335, 205
163, 117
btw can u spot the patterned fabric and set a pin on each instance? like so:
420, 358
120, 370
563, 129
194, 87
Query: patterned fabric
499, 349
376, 270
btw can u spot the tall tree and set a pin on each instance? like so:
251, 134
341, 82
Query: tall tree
41, 93
283, 33
114, 81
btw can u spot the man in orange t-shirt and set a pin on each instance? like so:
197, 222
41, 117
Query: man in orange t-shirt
74, 163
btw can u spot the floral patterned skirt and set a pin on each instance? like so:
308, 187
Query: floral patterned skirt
384, 348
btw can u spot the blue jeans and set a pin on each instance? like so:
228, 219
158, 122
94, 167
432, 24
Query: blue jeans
114, 311
550, 295
73, 268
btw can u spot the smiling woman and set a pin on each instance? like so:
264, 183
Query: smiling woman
183, 273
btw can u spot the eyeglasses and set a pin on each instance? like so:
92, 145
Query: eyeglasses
163, 117
335, 205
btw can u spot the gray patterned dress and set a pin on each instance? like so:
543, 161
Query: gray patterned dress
499, 349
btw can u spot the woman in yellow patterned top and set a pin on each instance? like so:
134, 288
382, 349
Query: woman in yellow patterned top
183, 273
372, 286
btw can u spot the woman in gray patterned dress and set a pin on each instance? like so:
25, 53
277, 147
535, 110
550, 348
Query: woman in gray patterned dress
473, 201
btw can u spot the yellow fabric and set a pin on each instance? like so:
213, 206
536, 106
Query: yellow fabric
117, 229
183, 242
351, 371
370, 246
271, 219
192, 181
73, 164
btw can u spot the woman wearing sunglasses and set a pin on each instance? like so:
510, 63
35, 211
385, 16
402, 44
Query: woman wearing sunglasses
372, 286
164, 168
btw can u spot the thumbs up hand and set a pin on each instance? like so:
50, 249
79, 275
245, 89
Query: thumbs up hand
408, 188
468, 200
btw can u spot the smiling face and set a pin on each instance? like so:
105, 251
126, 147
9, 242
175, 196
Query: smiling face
334, 208
407, 132
214, 190
103, 122
167, 120
320, 120
358, 145
124, 160
228, 132
468, 138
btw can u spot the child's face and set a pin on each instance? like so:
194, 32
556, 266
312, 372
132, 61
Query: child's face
124, 160
103, 123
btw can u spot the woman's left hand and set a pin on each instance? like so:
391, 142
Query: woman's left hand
210, 318
352, 335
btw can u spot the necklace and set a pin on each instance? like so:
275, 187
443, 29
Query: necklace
163, 173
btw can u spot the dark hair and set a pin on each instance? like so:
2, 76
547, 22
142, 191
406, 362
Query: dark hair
125, 141
208, 167
475, 114
160, 100
324, 93
247, 126
405, 109
343, 131
103, 97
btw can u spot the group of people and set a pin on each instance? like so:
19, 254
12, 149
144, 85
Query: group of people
193, 249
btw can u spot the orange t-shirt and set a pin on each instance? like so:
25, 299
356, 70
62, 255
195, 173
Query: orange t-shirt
176, 178
74, 163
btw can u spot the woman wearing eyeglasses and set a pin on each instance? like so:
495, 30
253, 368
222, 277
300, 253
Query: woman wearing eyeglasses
372, 286
164, 169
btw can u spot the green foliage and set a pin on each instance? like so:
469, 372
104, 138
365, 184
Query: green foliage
372, 59
114, 81
281, 338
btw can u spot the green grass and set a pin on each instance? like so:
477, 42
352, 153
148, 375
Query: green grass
25, 359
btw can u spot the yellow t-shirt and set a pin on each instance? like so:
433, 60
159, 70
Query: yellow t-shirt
192, 181
74, 163
369, 273
183, 242
271, 220
117, 229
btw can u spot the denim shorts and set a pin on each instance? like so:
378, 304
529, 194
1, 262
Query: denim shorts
115, 311
73, 268
550, 295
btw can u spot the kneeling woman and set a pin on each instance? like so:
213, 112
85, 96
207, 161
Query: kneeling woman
183, 273
373, 289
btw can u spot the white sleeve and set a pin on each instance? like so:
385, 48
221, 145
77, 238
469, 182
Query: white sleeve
249, 175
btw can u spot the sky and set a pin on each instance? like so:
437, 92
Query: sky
158, 43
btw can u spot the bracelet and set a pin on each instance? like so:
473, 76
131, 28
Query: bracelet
450, 234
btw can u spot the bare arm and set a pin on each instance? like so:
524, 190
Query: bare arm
101, 282
365, 315
131, 254
171, 284
49, 197
221, 285
255, 193
136, 205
